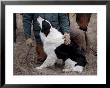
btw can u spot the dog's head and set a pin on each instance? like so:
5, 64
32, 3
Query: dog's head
45, 25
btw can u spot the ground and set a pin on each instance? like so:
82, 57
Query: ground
25, 58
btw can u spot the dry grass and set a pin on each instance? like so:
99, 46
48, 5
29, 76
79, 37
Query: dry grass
24, 64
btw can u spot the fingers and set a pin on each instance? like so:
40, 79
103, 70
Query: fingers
67, 41
67, 38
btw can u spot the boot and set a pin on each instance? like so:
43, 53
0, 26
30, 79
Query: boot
41, 55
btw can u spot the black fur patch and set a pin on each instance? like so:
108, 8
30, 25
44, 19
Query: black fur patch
45, 27
72, 51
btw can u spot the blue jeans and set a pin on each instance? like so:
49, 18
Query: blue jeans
58, 20
30, 19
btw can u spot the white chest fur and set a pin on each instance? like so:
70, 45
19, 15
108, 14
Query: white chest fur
53, 40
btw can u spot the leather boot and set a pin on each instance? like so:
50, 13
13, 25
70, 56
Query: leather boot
41, 55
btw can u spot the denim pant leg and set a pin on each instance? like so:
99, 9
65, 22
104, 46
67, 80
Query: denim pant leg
27, 22
36, 29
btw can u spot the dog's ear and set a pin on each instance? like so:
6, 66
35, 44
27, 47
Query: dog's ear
45, 27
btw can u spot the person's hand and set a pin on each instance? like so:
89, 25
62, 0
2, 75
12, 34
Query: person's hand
67, 38
29, 42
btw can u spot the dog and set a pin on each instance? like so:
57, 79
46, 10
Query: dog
54, 47
51, 39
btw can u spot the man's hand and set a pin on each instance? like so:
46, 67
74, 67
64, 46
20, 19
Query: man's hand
67, 38
29, 42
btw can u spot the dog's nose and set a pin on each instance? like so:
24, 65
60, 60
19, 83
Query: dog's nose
40, 18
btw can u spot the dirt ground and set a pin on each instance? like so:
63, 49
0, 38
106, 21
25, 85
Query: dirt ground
25, 58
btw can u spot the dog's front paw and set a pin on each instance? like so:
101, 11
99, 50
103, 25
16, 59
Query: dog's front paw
66, 70
38, 68
78, 69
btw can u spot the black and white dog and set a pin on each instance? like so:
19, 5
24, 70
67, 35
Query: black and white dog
56, 50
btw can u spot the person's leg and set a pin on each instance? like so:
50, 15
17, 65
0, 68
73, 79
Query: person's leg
41, 56
27, 22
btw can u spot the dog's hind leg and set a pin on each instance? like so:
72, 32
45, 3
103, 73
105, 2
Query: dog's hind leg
69, 65
78, 68
50, 61
81, 62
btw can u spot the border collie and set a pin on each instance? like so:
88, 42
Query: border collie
54, 47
